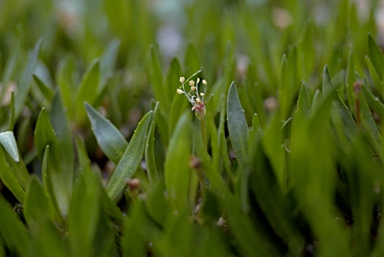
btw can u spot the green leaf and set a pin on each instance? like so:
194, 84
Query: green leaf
349, 82
156, 78
60, 176
130, 160
327, 82
13, 231
47, 92
89, 89
373, 74
8, 141
109, 57
177, 171
375, 55
150, 148
48, 184
370, 127
65, 79
109, 138
373, 101
26, 79
9, 179
237, 125
37, 207
84, 212
64, 138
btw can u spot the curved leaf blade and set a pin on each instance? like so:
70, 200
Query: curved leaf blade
131, 158
109, 138
237, 125
177, 171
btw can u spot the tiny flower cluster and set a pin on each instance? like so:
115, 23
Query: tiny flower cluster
195, 97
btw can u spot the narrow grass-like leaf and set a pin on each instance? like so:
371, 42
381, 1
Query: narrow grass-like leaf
13, 231
89, 89
8, 141
12, 117
345, 125
375, 55
26, 79
327, 82
150, 148
48, 186
131, 158
9, 179
63, 134
373, 101
84, 212
370, 127
237, 125
178, 107
349, 82
156, 77
85, 166
109, 57
65, 79
37, 207
44, 135
108, 136
47, 92
373, 74
177, 171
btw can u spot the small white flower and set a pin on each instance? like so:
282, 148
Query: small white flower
179, 91
182, 79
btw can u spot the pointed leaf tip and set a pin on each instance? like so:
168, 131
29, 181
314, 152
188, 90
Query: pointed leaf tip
8, 141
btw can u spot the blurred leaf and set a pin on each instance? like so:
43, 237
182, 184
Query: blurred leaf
375, 55
349, 83
13, 231
374, 76
237, 125
44, 135
131, 158
47, 240
327, 85
84, 214
373, 101
108, 59
150, 148
108, 136
156, 78
177, 171
9, 179
89, 89
249, 240
65, 79
370, 127
37, 207
26, 79
48, 185
85, 166
44, 88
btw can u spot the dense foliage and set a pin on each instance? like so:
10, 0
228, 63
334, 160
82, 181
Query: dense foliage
191, 128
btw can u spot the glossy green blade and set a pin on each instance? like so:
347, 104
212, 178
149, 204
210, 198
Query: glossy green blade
109, 138
177, 170
237, 125
130, 160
